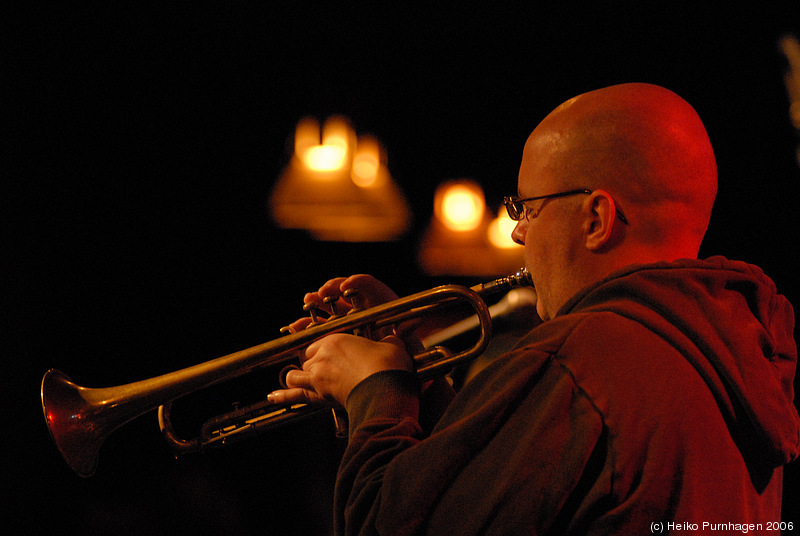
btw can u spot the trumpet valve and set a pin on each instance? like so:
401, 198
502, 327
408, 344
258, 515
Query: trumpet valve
312, 309
356, 303
330, 301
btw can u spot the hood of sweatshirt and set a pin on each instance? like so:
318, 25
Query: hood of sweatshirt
731, 312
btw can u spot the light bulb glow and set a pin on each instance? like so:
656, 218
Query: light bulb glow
306, 135
461, 206
500, 231
325, 157
366, 163
332, 153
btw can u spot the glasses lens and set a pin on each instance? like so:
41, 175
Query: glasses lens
514, 208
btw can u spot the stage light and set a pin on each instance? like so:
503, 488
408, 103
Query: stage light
338, 187
331, 154
462, 240
791, 49
500, 229
459, 205
367, 163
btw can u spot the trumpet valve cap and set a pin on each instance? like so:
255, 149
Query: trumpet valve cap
354, 298
330, 301
311, 308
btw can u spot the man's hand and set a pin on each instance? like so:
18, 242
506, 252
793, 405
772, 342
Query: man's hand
334, 365
371, 292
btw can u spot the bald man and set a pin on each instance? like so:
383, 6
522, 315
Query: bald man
635, 146
656, 396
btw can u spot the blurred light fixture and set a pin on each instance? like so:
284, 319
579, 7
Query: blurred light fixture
500, 229
791, 49
460, 206
463, 240
337, 186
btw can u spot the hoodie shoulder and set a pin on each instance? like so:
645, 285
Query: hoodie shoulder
727, 319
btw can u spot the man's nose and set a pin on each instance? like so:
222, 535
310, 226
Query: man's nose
518, 234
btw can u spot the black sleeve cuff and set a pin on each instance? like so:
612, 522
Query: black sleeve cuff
389, 394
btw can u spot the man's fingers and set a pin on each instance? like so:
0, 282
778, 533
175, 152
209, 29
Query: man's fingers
300, 325
298, 389
397, 341
297, 378
290, 396
375, 292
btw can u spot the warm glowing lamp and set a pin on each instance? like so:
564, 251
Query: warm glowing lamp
367, 163
791, 48
329, 155
325, 157
461, 239
500, 230
338, 187
460, 205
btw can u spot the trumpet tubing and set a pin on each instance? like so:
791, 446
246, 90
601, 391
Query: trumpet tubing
80, 418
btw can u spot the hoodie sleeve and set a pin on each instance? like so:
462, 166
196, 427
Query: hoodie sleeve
504, 448
383, 412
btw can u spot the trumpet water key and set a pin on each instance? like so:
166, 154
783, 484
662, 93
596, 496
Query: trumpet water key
80, 418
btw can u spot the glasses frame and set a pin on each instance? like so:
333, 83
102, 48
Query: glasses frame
518, 214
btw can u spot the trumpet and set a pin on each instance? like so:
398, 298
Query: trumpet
80, 419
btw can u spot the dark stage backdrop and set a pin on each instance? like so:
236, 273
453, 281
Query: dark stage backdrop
141, 141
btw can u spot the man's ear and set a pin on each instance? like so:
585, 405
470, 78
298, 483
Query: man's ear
600, 215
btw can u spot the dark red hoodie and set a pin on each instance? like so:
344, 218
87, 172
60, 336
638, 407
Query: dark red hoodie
658, 400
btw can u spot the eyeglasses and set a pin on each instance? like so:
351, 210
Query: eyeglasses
516, 209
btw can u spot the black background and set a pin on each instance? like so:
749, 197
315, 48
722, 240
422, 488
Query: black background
141, 141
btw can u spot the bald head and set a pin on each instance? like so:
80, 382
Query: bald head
647, 147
